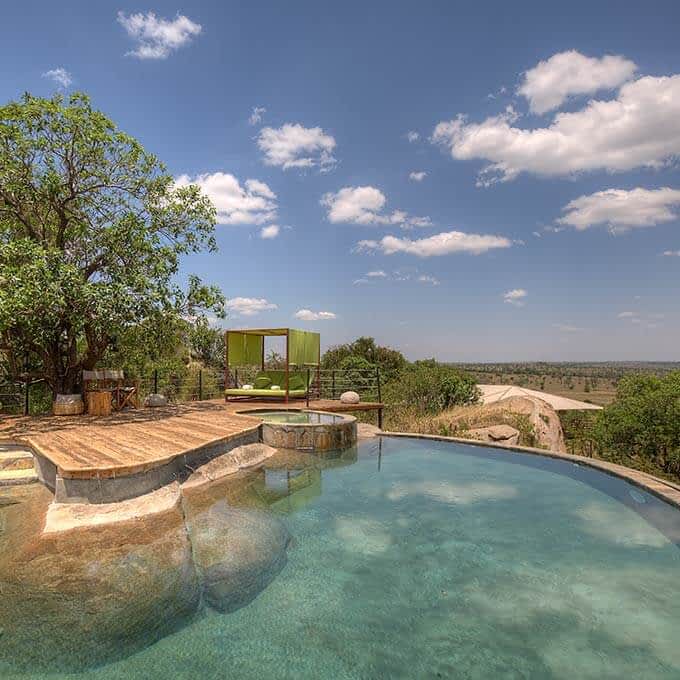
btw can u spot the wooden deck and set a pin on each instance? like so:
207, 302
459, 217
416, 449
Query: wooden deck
135, 441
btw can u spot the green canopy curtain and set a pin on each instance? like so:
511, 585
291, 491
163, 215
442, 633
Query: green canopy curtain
303, 348
244, 349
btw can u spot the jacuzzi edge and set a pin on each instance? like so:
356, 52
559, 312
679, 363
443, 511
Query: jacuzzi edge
665, 490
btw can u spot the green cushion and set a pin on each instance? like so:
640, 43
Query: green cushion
267, 394
296, 382
262, 382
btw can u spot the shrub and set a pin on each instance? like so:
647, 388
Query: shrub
431, 389
644, 420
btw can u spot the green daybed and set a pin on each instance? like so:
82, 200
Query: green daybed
297, 385
246, 348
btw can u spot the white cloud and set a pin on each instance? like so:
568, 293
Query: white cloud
379, 274
426, 278
418, 176
309, 315
627, 315
252, 203
157, 38
567, 328
360, 282
671, 253
446, 243
412, 136
256, 115
639, 128
242, 306
295, 146
622, 210
516, 297
60, 76
364, 205
272, 231
548, 85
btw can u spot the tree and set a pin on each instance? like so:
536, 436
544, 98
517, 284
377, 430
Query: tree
389, 361
92, 229
432, 388
644, 420
206, 343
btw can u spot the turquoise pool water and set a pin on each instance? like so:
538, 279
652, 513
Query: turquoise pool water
298, 417
405, 559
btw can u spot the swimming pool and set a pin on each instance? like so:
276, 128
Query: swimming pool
399, 558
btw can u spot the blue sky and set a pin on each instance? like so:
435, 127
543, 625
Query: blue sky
548, 137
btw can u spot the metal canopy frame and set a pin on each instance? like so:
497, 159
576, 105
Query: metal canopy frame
269, 332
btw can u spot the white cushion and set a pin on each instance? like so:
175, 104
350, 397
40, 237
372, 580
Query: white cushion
246, 387
274, 387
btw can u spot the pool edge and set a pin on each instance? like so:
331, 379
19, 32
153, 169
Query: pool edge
663, 489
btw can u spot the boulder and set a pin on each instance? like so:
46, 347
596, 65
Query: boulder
542, 421
67, 516
367, 431
237, 553
349, 398
72, 600
229, 463
156, 400
502, 434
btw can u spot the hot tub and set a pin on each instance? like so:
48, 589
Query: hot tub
306, 430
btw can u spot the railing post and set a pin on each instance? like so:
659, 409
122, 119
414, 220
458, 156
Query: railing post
377, 375
309, 386
200, 385
27, 405
155, 381
236, 378
333, 385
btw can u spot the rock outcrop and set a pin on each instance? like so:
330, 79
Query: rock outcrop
84, 585
535, 421
79, 598
237, 552
500, 434
229, 463
367, 431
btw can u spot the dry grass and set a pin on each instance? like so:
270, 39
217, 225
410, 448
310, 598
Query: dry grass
457, 421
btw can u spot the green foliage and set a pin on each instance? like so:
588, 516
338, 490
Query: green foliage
358, 373
275, 361
644, 420
206, 343
91, 233
389, 361
431, 389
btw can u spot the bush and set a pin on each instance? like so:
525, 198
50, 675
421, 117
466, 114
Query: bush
644, 420
358, 374
432, 388
389, 361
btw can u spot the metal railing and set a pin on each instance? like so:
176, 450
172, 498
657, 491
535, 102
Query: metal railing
325, 383
18, 398
198, 385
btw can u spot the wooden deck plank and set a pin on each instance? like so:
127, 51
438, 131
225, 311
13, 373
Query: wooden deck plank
134, 441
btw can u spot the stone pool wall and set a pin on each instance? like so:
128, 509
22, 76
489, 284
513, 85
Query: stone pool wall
311, 436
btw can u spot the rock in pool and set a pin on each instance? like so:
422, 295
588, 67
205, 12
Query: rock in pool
237, 553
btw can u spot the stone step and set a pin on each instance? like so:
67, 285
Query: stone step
15, 458
12, 477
